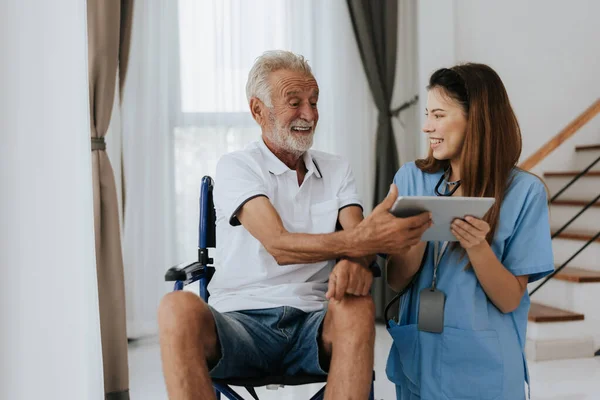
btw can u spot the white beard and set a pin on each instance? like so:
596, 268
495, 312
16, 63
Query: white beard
285, 139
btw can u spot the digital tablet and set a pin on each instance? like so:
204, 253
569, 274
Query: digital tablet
443, 210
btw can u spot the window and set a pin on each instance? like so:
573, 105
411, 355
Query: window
219, 41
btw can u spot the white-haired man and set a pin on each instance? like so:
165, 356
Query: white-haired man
278, 205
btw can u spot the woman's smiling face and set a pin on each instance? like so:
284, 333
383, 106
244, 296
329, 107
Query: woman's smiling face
445, 125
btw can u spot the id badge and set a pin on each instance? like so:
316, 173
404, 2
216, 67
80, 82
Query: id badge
431, 310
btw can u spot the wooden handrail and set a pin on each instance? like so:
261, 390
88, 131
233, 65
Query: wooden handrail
560, 137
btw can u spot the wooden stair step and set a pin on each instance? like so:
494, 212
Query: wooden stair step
588, 147
579, 275
576, 236
541, 313
576, 203
567, 174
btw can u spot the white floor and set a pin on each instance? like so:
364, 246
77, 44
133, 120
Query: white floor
551, 380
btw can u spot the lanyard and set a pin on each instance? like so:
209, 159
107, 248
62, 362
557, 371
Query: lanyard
437, 252
437, 256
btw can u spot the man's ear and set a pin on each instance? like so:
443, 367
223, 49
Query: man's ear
258, 110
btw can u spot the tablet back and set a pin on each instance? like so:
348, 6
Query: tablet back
443, 210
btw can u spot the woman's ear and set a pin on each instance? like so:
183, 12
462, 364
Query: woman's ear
258, 110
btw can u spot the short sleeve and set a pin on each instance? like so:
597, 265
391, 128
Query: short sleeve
348, 194
402, 180
236, 182
529, 249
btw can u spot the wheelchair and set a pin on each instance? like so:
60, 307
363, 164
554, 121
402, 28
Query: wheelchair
202, 270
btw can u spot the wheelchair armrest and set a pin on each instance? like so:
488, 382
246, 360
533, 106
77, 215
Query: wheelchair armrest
184, 271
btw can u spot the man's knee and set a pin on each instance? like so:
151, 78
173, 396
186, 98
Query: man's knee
354, 314
181, 311
353, 307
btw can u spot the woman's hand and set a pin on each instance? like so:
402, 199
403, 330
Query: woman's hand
470, 232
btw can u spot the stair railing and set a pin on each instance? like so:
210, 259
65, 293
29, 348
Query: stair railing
565, 226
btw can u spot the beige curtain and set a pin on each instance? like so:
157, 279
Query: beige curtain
109, 26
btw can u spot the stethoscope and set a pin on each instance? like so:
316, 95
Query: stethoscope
456, 185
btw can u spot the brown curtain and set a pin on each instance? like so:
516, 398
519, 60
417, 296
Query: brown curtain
109, 26
375, 26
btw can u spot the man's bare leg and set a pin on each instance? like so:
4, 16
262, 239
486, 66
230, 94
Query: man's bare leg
188, 338
348, 336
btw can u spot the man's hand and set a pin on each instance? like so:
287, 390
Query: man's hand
381, 232
349, 277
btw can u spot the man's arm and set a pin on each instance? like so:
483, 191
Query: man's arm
379, 232
350, 275
263, 222
349, 218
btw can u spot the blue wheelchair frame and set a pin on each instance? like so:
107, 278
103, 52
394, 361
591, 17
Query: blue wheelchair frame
185, 274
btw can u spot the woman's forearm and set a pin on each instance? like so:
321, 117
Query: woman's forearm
402, 267
503, 288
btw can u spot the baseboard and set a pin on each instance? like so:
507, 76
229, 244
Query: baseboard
544, 350
122, 395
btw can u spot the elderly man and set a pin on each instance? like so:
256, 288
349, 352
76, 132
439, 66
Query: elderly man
278, 205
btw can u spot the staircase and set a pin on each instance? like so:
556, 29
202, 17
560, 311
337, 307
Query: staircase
564, 319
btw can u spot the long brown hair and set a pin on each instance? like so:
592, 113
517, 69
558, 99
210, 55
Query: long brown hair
492, 144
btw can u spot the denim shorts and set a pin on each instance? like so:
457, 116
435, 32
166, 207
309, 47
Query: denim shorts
269, 342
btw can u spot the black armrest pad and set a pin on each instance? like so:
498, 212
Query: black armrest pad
183, 271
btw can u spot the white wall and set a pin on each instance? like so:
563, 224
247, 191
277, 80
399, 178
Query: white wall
547, 52
436, 49
49, 321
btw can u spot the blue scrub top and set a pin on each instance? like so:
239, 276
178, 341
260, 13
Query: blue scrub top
480, 354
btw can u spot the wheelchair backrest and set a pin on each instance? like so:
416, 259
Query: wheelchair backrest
207, 215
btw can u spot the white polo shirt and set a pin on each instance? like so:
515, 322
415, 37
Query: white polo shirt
247, 277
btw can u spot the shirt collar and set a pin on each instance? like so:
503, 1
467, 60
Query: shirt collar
311, 165
274, 164
277, 167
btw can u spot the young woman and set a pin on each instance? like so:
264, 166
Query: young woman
473, 291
